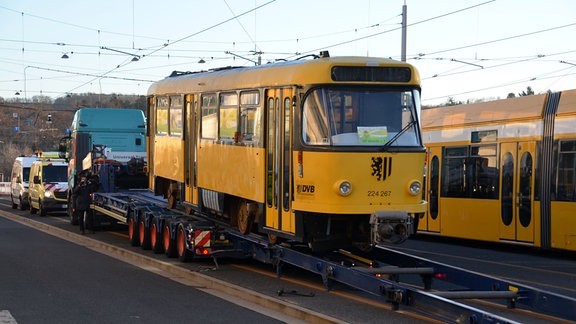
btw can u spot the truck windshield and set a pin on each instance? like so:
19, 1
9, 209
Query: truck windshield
55, 173
352, 117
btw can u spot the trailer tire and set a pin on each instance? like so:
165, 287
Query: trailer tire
144, 235
133, 234
184, 254
169, 242
156, 241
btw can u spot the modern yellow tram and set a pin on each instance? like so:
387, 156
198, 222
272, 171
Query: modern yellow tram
503, 171
325, 151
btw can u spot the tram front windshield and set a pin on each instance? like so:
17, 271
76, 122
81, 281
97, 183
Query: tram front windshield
350, 117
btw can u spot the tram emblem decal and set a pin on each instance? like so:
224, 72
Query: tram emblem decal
381, 167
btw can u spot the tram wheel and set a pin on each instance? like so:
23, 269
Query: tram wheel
365, 247
245, 219
272, 238
172, 195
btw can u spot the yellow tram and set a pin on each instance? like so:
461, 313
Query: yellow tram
325, 151
503, 171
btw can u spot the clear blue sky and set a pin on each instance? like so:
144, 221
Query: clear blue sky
465, 49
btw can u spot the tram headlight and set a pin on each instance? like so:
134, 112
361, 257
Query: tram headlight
415, 187
344, 188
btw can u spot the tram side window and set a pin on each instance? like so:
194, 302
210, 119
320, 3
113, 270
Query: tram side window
454, 172
162, 115
228, 123
209, 116
175, 112
470, 172
566, 188
315, 121
483, 167
250, 117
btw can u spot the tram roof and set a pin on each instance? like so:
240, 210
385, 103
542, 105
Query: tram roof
520, 109
567, 103
273, 74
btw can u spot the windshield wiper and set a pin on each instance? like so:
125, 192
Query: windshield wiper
402, 131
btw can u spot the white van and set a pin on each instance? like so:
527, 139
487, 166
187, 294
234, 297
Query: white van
19, 183
48, 186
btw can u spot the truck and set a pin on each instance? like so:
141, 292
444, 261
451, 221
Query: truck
108, 144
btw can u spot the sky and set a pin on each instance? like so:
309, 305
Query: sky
465, 50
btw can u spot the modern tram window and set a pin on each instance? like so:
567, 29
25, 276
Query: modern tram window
175, 113
250, 117
209, 116
228, 122
566, 187
470, 172
162, 105
454, 172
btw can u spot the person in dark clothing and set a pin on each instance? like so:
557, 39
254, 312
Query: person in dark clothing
81, 199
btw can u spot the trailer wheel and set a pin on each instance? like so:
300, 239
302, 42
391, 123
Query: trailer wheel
133, 233
156, 241
169, 242
144, 235
183, 253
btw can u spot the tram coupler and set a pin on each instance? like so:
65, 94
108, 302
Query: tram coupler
390, 227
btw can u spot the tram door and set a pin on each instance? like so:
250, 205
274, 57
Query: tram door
190, 188
516, 191
278, 160
431, 223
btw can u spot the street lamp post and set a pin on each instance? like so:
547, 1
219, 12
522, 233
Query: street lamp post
25, 93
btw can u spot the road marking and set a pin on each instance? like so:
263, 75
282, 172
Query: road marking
6, 317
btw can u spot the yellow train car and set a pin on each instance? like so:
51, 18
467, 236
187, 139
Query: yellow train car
503, 171
325, 151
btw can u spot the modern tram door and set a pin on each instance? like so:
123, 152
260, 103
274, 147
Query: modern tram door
431, 223
517, 161
279, 160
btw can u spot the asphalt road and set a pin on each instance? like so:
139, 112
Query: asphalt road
44, 279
